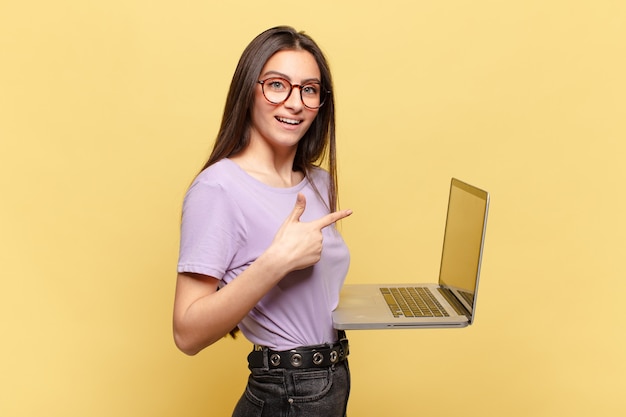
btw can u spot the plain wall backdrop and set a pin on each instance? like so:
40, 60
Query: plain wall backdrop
108, 109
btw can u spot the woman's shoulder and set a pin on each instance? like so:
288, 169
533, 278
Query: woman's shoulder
317, 174
219, 170
214, 186
223, 173
320, 178
216, 179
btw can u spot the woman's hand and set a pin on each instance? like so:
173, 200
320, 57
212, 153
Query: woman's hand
298, 243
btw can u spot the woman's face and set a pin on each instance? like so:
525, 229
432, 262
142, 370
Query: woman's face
283, 125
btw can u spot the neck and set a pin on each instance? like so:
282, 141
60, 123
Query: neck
271, 168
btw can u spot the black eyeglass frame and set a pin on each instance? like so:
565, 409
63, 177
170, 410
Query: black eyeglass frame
323, 92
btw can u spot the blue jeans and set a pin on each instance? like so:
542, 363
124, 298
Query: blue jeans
296, 392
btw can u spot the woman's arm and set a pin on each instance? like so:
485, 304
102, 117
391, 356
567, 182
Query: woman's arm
203, 315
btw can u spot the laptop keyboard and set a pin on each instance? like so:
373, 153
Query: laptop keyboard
413, 302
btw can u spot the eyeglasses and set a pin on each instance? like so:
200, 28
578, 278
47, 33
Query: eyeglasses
277, 91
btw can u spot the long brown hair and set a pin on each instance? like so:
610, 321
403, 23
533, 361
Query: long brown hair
317, 145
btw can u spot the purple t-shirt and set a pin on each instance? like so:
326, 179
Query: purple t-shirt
230, 218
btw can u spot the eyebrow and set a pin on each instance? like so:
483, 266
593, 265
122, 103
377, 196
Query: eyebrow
286, 77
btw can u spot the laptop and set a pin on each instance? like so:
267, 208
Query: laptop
451, 302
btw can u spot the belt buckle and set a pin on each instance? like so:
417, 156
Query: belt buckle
345, 347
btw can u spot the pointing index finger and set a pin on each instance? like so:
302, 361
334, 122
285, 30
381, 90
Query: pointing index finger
331, 218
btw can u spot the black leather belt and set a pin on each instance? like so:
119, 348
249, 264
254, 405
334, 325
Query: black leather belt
320, 356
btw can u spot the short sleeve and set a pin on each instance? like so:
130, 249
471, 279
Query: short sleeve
212, 230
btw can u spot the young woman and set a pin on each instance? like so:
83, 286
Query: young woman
259, 225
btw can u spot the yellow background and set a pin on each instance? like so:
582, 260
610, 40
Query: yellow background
108, 109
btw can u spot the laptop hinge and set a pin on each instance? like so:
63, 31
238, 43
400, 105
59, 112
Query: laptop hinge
454, 302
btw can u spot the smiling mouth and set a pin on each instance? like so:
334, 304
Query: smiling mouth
291, 122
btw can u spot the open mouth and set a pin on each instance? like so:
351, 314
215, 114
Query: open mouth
291, 122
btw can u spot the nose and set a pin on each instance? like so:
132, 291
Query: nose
294, 100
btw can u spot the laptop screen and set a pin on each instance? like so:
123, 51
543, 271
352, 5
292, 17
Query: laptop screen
463, 241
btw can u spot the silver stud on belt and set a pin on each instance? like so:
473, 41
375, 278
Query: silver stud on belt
275, 359
296, 360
